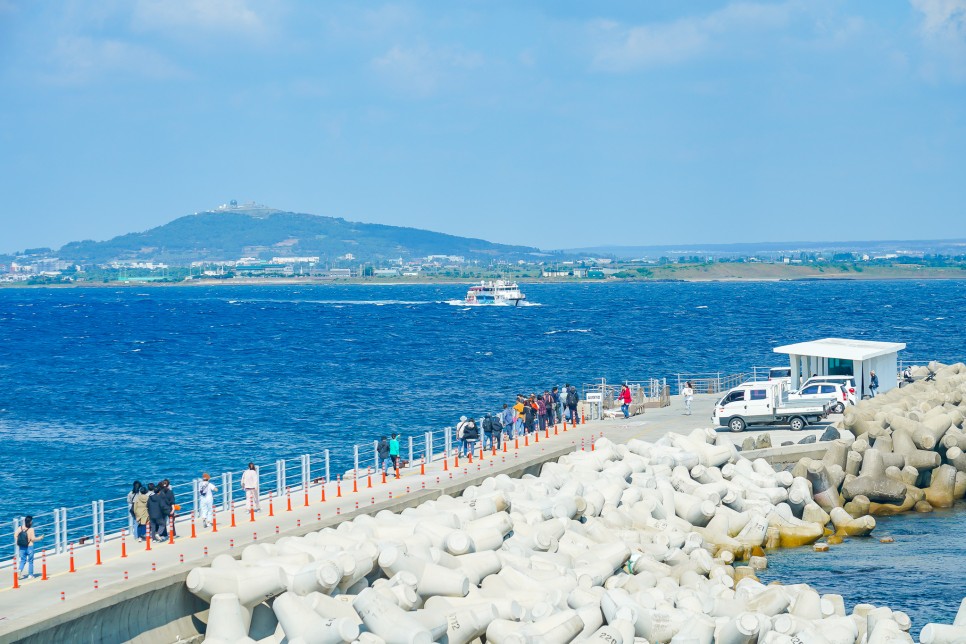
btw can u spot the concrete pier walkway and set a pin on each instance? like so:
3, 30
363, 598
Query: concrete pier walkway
109, 601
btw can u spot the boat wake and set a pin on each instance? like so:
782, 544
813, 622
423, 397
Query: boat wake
555, 331
510, 305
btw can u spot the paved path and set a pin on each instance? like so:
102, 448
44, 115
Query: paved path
65, 592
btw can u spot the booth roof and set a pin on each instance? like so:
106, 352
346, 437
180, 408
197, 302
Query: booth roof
842, 348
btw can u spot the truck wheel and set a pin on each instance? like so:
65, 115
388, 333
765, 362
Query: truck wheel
838, 409
797, 424
736, 425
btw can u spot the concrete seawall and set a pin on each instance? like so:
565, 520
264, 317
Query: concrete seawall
159, 608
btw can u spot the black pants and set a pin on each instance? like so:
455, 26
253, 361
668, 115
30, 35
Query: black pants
158, 529
573, 415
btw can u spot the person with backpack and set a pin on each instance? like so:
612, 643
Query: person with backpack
572, 400
557, 404
26, 538
206, 499
471, 434
493, 431
530, 414
551, 413
158, 509
461, 435
382, 454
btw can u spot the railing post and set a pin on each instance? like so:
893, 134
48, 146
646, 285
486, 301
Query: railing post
355, 456
279, 478
16, 549
94, 518
306, 476
447, 440
63, 528
410, 451
194, 495
429, 447
327, 477
227, 492
100, 514
56, 514
375, 455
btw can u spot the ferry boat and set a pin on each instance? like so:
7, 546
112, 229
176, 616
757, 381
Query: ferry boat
498, 292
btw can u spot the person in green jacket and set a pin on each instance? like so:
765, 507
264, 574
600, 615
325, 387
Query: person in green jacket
394, 450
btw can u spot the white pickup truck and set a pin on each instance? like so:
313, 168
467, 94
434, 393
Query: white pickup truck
766, 403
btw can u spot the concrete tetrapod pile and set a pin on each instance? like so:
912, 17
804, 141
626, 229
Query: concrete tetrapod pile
628, 543
907, 452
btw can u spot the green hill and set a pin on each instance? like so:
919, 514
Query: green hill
266, 233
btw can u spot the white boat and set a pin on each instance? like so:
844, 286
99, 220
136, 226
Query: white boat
495, 292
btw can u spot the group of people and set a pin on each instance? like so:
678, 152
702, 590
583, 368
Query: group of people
153, 508
529, 414
388, 452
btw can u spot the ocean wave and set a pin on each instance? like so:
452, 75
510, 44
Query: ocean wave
555, 331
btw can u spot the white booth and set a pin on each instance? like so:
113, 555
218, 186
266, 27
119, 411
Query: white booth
844, 357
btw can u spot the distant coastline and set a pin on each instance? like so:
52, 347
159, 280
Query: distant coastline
718, 272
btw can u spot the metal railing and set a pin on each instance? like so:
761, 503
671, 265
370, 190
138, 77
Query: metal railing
104, 520
710, 383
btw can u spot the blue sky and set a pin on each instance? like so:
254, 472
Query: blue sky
554, 124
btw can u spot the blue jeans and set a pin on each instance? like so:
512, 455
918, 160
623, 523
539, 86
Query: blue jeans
626, 409
27, 560
386, 464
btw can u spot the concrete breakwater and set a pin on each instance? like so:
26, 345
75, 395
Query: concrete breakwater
907, 454
618, 544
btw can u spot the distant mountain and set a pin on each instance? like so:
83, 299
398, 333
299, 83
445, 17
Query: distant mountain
231, 233
915, 247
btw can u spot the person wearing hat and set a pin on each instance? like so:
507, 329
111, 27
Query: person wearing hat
394, 450
461, 435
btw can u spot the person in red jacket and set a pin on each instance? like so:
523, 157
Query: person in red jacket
625, 397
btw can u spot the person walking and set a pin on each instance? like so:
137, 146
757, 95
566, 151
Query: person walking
249, 482
394, 450
873, 383
541, 413
461, 434
130, 505
140, 509
519, 410
688, 393
506, 419
382, 454
206, 499
26, 538
572, 400
493, 431
529, 415
625, 399
172, 507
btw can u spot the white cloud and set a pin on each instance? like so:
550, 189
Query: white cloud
621, 48
943, 31
420, 70
215, 15
78, 60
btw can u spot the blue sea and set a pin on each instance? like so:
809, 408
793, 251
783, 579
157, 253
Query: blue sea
99, 386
